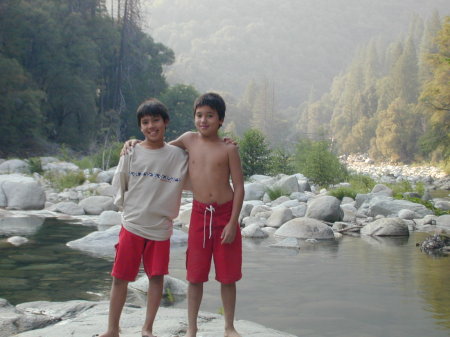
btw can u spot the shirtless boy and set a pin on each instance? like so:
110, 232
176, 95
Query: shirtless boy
214, 229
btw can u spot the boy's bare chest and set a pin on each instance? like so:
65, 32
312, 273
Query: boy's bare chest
204, 157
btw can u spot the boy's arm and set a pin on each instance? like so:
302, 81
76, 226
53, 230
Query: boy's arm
237, 179
120, 181
181, 141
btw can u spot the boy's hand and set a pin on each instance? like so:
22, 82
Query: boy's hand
228, 140
128, 146
228, 233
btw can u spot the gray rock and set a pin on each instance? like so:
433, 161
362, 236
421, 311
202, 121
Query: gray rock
259, 209
68, 207
390, 207
109, 218
106, 176
171, 284
442, 204
14, 166
17, 240
280, 200
381, 189
254, 191
326, 208
20, 192
299, 211
169, 322
253, 231
279, 216
407, 214
305, 228
386, 227
288, 184
101, 243
300, 196
60, 167
97, 204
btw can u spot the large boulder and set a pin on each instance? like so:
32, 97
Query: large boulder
69, 207
21, 192
326, 208
279, 216
14, 166
106, 176
60, 167
254, 191
288, 184
386, 227
305, 228
96, 204
389, 207
101, 243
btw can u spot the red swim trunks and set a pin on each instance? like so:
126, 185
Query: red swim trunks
133, 248
204, 242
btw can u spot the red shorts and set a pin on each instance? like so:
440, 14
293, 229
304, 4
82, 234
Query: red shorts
133, 248
204, 244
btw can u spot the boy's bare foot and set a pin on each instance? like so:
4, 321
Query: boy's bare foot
147, 334
109, 334
231, 333
190, 333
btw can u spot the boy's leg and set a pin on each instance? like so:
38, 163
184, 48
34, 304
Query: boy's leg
195, 294
228, 292
154, 295
116, 303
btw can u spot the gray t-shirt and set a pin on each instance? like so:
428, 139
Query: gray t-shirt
148, 186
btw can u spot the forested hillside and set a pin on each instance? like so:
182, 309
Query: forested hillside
295, 47
393, 101
70, 74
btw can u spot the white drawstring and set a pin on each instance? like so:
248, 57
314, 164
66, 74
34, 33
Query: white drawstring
211, 210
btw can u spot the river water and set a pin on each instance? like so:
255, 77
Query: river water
354, 287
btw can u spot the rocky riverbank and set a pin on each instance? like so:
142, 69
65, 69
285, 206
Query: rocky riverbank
303, 214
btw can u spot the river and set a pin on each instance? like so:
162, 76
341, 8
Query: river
354, 287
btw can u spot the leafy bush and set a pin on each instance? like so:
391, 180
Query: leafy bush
275, 193
342, 192
61, 181
281, 162
315, 160
361, 183
400, 187
254, 152
35, 165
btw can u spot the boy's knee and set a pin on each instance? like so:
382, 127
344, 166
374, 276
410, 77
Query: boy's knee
119, 282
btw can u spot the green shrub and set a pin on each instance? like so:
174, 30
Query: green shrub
85, 163
400, 187
342, 192
361, 183
315, 160
275, 193
61, 181
35, 165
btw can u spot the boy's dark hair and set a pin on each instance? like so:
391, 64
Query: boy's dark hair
152, 107
212, 100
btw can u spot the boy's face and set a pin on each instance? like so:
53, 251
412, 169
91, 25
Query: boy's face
207, 120
153, 128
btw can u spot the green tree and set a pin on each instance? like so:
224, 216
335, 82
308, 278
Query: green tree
254, 152
179, 99
20, 114
436, 97
315, 160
